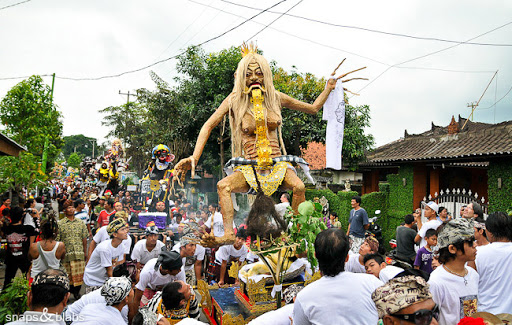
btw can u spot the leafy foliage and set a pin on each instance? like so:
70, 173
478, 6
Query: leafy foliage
305, 227
500, 198
74, 160
13, 300
24, 170
80, 144
30, 116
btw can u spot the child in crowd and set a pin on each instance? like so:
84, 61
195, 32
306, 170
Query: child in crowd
375, 264
423, 259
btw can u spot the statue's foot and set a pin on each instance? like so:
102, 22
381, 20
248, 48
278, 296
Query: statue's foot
209, 240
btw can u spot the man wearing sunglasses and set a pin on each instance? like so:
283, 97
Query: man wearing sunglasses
454, 286
406, 300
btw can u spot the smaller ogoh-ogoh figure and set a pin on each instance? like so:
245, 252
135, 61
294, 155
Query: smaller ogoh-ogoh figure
103, 177
156, 178
116, 152
113, 178
87, 168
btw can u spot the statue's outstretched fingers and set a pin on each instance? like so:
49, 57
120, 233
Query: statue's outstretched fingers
346, 74
347, 80
339, 65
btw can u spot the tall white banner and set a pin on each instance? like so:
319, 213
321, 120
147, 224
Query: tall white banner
334, 114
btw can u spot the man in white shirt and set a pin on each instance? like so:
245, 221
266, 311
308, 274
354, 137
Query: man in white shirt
228, 254
493, 264
191, 252
46, 299
149, 248
338, 297
283, 206
117, 293
168, 267
102, 235
218, 223
431, 209
375, 264
454, 286
106, 256
81, 214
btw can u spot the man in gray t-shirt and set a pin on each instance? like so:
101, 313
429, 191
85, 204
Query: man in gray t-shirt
358, 223
405, 240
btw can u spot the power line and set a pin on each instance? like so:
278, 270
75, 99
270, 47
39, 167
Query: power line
14, 5
508, 92
367, 29
273, 21
174, 56
432, 53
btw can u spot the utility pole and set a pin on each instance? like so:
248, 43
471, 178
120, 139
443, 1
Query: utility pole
473, 105
93, 143
128, 95
47, 140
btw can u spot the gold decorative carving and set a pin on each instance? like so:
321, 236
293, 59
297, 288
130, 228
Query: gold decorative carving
312, 278
235, 268
206, 299
227, 319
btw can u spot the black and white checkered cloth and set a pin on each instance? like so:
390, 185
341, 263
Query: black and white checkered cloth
240, 161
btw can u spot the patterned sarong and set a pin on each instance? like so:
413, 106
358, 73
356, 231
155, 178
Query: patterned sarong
75, 271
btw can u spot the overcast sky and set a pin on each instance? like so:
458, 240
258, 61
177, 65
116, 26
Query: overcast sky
89, 39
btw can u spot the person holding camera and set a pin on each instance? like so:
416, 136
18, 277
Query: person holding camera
32, 217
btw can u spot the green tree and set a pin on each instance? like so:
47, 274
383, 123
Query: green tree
81, 144
30, 116
19, 172
74, 160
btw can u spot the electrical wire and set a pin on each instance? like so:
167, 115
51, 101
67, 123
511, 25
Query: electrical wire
14, 5
367, 29
174, 56
273, 21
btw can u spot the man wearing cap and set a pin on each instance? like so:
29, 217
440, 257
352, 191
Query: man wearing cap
454, 286
46, 299
157, 272
149, 248
191, 252
405, 300
494, 264
431, 209
73, 233
106, 256
338, 297
117, 293
175, 302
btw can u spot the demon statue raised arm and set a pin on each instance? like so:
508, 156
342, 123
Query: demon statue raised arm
254, 110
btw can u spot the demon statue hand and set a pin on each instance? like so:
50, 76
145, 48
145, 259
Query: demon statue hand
254, 110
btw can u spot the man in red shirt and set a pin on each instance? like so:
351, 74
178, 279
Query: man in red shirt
6, 205
104, 216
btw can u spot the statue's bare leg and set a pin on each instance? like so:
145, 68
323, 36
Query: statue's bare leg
234, 183
293, 182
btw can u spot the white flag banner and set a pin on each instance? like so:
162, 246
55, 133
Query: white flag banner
334, 114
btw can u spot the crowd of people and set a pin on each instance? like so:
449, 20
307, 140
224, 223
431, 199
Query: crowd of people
91, 263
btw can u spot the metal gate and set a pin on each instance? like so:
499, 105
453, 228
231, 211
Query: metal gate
454, 199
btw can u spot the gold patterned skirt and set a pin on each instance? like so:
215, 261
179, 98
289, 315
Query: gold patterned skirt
269, 182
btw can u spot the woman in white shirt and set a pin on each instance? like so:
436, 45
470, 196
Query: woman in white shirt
47, 253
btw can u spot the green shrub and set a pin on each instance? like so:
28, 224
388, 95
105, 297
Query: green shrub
13, 300
500, 199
